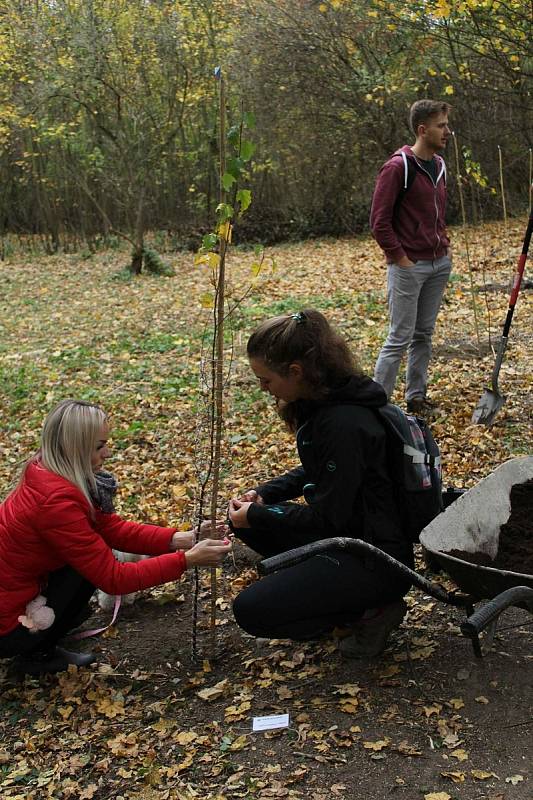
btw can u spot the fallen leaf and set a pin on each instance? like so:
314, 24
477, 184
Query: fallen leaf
437, 796
407, 749
239, 743
460, 754
212, 692
456, 777
481, 775
514, 779
348, 705
456, 703
482, 699
379, 745
89, 792
185, 737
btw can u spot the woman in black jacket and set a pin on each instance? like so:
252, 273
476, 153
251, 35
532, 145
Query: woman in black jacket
331, 406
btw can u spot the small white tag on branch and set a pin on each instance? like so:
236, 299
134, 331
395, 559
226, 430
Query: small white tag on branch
270, 722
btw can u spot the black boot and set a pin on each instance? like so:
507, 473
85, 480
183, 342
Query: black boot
55, 660
82, 616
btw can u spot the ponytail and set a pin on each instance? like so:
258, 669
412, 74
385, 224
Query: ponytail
307, 338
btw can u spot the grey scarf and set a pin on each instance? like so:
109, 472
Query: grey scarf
106, 488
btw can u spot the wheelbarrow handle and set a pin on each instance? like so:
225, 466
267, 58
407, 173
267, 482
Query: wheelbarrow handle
363, 549
479, 620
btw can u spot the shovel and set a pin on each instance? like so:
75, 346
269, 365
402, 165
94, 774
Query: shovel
491, 400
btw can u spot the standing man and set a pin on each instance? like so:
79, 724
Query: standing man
408, 222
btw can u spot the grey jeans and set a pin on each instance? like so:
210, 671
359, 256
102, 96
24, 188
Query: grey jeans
414, 296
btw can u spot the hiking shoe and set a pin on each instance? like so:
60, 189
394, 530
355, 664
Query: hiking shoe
421, 407
45, 662
371, 633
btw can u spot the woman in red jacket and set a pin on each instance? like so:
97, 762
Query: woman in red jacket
56, 540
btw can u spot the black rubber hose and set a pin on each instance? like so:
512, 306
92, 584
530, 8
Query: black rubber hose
360, 548
479, 620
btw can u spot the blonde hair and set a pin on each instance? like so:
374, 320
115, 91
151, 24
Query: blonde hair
70, 433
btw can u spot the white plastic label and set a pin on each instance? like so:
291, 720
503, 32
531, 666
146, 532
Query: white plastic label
270, 723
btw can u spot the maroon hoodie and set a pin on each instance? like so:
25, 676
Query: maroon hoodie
416, 227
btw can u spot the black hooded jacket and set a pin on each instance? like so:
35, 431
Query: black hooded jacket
343, 477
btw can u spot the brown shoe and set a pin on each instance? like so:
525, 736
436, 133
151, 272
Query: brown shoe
370, 635
422, 407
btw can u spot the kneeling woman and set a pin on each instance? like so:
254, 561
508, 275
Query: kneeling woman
331, 405
56, 541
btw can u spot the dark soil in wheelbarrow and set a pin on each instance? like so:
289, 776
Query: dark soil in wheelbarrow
515, 551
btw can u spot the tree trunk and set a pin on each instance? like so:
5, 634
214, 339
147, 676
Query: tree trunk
136, 264
138, 250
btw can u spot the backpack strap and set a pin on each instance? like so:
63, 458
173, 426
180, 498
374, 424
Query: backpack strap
417, 457
409, 174
442, 172
405, 170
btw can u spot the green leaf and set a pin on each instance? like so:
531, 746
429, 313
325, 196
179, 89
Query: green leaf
249, 120
224, 212
258, 250
209, 241
207, 300
244, 197
233, 135
235, 166
247, 150
228, 180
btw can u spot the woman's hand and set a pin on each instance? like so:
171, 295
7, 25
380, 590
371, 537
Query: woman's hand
182, 540
251, 496
206, 530
208, 553
238, 513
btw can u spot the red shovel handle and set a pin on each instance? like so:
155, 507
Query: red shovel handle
518, 276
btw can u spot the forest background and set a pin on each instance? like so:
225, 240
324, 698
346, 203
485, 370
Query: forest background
109, 115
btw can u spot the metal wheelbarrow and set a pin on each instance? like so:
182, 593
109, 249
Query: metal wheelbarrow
470, 523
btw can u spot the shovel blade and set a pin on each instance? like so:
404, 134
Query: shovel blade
487, 408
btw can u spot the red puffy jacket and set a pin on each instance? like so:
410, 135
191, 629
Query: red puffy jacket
46, 523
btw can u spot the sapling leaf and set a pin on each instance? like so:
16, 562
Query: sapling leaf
209, 241
249, 120
233, 135
228, 180
224, 212
235, 166
247, 150
207, 300
244, 197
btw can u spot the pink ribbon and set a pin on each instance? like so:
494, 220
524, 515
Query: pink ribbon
95, 631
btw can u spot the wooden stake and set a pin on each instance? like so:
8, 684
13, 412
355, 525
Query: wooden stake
218, 353
502, 188
467, 245
530, 178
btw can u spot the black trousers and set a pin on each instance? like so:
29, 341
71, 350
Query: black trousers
313, 597
68, 594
